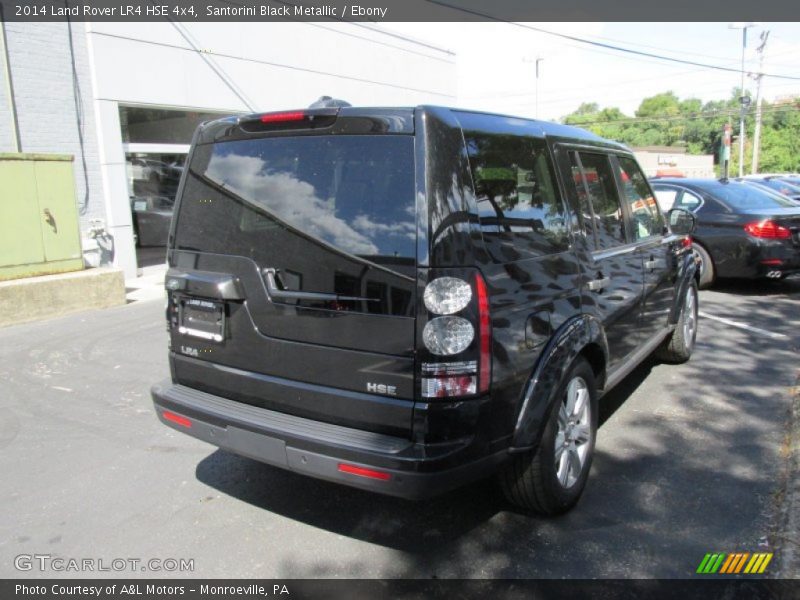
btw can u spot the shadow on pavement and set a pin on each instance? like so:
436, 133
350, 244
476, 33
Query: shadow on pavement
476, 515
687, 462
757, 287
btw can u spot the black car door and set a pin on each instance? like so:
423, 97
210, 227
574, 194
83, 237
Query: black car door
612, 269
656, 246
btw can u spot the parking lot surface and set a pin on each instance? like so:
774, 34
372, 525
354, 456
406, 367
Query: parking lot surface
690, 459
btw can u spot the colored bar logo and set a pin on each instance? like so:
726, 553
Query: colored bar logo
732, 564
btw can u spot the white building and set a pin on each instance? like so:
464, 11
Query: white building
124, 99
670, 161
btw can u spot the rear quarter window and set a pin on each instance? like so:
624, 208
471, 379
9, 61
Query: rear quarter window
519, 207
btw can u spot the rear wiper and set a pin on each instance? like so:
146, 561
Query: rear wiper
275, 292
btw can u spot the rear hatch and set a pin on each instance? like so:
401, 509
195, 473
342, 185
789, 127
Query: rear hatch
293, 265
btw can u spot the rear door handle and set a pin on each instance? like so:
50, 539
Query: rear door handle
278, 294
654, 263
596, 285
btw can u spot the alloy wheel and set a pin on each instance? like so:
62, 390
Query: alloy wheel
689, 318
574, 436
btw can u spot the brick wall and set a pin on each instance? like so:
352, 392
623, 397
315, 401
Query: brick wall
44, 89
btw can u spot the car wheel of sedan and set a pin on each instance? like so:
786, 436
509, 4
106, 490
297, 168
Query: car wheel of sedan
679, 346
550, 480
705, 266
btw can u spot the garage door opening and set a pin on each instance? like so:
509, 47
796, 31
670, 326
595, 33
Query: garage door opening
156, 143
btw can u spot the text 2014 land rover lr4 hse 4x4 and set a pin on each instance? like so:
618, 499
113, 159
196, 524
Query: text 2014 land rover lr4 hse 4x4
405, 300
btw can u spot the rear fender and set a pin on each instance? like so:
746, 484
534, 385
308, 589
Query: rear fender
540, 392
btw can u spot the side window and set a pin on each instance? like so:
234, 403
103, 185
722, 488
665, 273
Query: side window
606, 208
665, 197
689, 201
646, 217
583, 200
520, 210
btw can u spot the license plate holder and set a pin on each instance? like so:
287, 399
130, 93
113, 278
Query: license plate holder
202, 318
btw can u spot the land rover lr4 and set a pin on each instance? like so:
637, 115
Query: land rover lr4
406, 300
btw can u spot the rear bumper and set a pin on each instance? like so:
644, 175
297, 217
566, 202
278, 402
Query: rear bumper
775, 270
315, 448
758, 258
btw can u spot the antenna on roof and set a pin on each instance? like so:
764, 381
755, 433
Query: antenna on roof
328, 102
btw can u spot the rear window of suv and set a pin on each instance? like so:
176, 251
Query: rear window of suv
352, 193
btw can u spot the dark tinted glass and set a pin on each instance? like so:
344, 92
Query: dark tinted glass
520, 209
160, 125
354, 193
782, 187
647, 219
745, 196
599, 178
583, 199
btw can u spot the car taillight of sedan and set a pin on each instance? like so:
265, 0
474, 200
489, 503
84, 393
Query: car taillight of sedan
767, 229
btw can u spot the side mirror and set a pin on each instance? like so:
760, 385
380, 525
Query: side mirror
681, 221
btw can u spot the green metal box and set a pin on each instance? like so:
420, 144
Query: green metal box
39, 231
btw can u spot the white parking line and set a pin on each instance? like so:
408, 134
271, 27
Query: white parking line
774, 336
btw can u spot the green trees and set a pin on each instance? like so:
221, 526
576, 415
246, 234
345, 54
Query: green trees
666, 120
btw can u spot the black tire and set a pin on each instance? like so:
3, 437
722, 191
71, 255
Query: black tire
678, 347
707, 273
531, 481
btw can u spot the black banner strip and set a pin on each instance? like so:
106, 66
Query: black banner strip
398, 589
398, 10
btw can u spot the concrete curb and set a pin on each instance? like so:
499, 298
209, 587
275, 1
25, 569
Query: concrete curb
48, 296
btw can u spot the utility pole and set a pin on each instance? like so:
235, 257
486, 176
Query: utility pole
759, 77
743, 100
536, 60
536, 113
725, 150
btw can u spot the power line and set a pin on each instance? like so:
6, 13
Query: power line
608, 39
603, 44
267, 63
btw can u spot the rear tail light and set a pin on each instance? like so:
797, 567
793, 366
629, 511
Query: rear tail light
364, 472
291, 119
485, 334
687, 241
446, 336
767, 230
283, 117
447, 295
182, 421
772, 262
448, 380
457, 325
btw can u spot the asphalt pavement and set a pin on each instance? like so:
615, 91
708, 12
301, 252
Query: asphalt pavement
690, 459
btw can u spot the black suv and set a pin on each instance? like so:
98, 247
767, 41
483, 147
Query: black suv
405, 300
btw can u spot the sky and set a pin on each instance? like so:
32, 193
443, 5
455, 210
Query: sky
496, 63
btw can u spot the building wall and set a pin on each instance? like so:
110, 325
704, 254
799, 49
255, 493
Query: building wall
6, 118
45, 88
690, 165
268, 65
